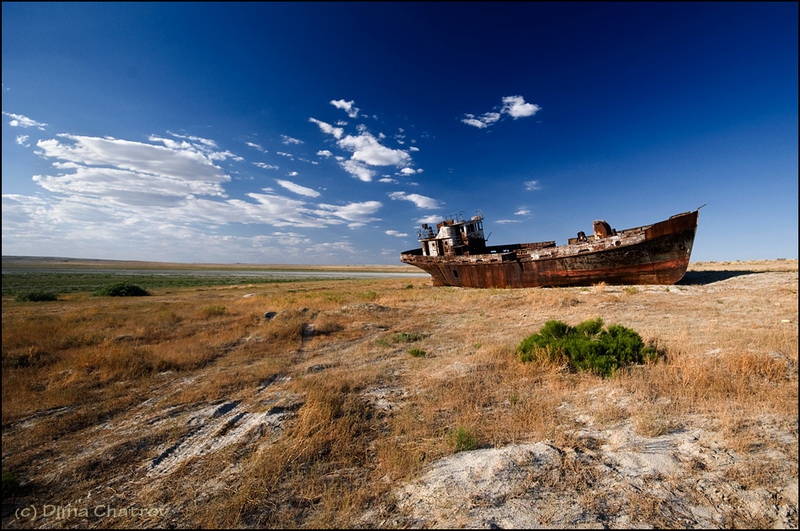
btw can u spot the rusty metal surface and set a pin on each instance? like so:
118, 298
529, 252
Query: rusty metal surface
651, 254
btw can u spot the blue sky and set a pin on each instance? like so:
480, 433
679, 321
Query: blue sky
306, 133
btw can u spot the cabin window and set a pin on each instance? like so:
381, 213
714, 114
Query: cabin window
455, 273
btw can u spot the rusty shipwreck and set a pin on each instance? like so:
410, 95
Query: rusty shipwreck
456, 254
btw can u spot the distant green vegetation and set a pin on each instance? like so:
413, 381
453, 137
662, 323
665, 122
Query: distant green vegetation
35, 296
587, 346
17, 284
122, 289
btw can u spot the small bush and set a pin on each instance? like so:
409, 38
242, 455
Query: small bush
462, 440
417, 352
35, 296
587, 347
122, 289
406, 337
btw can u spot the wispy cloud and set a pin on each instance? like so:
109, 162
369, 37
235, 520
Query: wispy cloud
195, 143
327, 128
127, 169
432, 219
296, 188
532, 185
420, 200
357, 170
18, 120
355, 213
483, 121
116, 194
513, 106
256, 146
117, 197
290, 141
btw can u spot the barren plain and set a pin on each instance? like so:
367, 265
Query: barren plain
390, 403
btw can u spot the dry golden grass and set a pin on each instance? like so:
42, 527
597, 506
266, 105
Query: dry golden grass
360, 414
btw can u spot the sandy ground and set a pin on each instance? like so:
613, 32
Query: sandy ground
679, 479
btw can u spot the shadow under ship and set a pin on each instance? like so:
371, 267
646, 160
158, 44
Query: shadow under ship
456, 254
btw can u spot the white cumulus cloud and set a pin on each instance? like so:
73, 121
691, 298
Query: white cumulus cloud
367, 149
346, 106
516, 107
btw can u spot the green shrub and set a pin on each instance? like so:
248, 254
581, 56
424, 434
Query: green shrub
587, 347
122, 289
462, 440
35, 296
417, 352
406, 337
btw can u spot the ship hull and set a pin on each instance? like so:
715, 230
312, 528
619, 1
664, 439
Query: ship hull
655, 254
